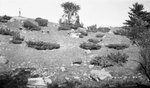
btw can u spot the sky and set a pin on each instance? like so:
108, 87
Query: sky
101, 12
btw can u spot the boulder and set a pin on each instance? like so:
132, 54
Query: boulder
100, 74
3, 60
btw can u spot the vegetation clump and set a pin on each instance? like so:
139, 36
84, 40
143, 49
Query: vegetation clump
31, 26
5, 18
41, 21
103, 29
17, 39
99, 35
17, 78
117, 46
40, 45
110, 60
121, 32
7, 31
90, 46
94, 40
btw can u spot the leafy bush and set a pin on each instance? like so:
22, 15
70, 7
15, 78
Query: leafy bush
145, 62
17, 39
39, 45
103, 29
99, 35
110, 60
7, 31
118, 58
90, 46
101, 61
64, 27
117, 46
17, 78
31, 26
41, 22
5, 18
121, 32
92, 28
94, 40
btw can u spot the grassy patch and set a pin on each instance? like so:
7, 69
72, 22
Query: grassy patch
117, 46
40, 45
90, 46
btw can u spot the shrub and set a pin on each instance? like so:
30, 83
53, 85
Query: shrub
118, 58
5, 18
41, 22
39, 45
92, 28
92, 40
99, 35
121, 32
17, 78
64, 27
17, 39
101, 61
145, 62
90, 46
110, 60
117, 46
7, 31
31, 26
103, 29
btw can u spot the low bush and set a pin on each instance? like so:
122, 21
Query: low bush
40, 45
7, 31
99, 35
117, 58
110, 60
41, 21
117, 46
103, 29
5, 18
101, 61
92, 28
121, 32
17, 78
31, 26
64, 27
17, 39
90, 46
145, 62
94, 40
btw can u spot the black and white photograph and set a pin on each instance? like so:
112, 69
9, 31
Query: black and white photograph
74, 43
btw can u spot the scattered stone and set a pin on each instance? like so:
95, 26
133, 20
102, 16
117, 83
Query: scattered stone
91, 66
47, 80
36, 82
87, 51
100, 74
62, 69
77, 62
76, 77
3, 60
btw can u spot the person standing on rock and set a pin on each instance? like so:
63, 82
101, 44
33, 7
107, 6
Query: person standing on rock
19, 12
